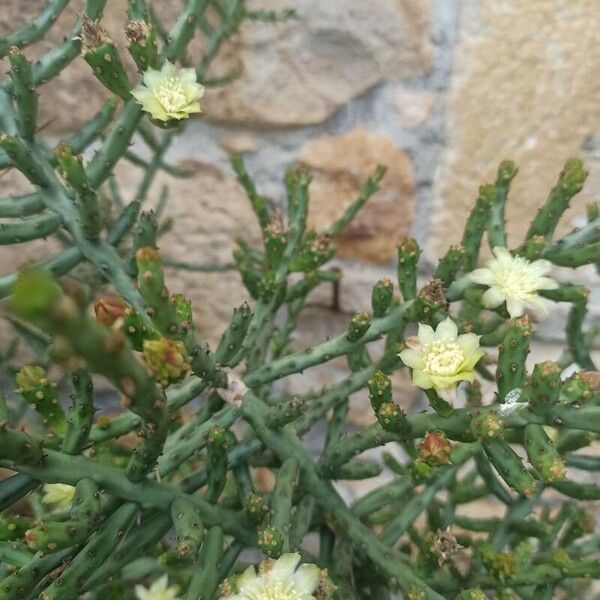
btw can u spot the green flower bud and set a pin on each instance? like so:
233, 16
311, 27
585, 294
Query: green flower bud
380, 390
381, 296
359, 325
255, 508
392, 418
166, 359
486, 424
270, 541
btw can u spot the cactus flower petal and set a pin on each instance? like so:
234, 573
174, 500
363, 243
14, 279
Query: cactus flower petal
447, 330
469, 344
425, 333
169, 94
307, 578
514, 280
412, 358
444, 358
159, 590
188, 76
58, 494
515, 307
482, 276
492, 297
422, 380
277, 580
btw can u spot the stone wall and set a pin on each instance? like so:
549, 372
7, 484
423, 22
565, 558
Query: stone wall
439, 90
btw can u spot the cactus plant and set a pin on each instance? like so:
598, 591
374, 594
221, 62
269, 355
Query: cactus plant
208, 456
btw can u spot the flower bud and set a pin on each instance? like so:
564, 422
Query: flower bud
255, 508
486, 424
358, 326
380, 390
166, 359
381, 296
392, 418
110, 309
270, 541
435, 449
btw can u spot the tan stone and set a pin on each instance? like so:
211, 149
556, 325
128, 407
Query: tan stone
341, 164
414, 106
238, 144
525, 87
301, 71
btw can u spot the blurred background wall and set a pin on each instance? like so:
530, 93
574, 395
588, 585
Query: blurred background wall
438, 90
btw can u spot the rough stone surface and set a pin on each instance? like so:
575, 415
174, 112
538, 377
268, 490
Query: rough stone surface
303, 70
414, 107
524, 87
341, 165
239, 144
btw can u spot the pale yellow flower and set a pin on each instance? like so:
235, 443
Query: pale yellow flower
169, 94
159, 590
440, 359
278, 580
514, 280
59, 494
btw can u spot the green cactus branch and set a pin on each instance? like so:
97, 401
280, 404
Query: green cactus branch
31, 228
326, 351
148, 494
496, 221
286, 445
59, 58
208, 454
35, 30
570, 182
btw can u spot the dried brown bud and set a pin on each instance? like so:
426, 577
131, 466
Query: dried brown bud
92, 35
435, 449
109, 309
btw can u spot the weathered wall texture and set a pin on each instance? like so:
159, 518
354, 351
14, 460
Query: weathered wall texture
523, 87
439, 90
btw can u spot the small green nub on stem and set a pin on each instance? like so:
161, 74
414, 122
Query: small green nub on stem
543, 387
511, 357
358, 326
381, 296
35, 387
542, 453
408, 257
380, 390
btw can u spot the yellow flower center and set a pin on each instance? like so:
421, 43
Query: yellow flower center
171, 94
274, 590
442, 358
514, 279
